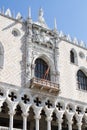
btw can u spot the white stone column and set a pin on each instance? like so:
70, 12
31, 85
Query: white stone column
48, 119
59, 115
11, 120
60, 124
37, 118
79, 126
37, 111
70, 125
25, 121
69, 116
79, 120
48, 112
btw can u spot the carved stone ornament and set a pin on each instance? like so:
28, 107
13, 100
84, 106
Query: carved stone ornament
42, 38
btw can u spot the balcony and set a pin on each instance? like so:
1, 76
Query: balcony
7, 128
44, 85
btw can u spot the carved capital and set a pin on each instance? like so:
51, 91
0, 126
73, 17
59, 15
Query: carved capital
79, 118
60, 120
11, 113
69, 116
49, 119
37, 117
59, 115
79, 125
25, 114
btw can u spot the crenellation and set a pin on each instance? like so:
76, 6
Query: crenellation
8, 13
18, 16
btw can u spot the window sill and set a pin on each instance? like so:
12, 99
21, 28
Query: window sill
73, 63
82, 90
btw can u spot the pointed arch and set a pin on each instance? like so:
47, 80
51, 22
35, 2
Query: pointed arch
18, 119
1, 55
4, 115
50, 63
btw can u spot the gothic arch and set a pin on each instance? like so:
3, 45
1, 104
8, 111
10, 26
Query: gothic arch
4, 119
49, 63
83, 69
46, 59
1, 55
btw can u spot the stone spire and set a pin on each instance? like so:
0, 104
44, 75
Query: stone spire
29, 12
8, 12
55, 25
18, 16
2, 11
29, 19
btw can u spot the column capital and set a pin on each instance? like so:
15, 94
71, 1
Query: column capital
79, 124
11, 113
37, 111
85, 117
60, 120
49, 119
25, 114
70, 122
48, 112
59, 114
79, 118
37, 117
69, 117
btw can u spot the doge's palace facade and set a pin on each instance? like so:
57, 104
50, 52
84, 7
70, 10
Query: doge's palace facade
43, 76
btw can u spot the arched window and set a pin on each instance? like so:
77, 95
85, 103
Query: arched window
82, 80
1, 56
73, 56
42, 70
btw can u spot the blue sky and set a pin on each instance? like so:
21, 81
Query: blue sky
71, 15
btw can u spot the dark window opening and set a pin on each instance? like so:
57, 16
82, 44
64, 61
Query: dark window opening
42, 70
82, 80
72, 57
4, 121
18, 119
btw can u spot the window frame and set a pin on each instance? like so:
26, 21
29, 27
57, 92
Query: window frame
41, 68
82, 80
